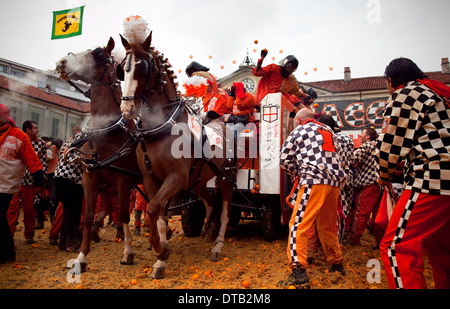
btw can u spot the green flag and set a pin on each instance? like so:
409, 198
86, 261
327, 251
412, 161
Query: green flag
67, 23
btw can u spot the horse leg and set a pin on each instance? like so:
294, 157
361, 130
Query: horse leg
158, 270
156, 211
124, 192
207, 201
90, 195
227, 192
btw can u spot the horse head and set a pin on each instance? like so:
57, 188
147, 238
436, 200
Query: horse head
144, 73
90, 66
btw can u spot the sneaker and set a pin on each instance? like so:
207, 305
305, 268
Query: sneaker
338, 268
298, 278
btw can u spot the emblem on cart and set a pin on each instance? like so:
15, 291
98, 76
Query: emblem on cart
270, 113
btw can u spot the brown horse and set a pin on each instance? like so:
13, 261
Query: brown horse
149, 83
108, 150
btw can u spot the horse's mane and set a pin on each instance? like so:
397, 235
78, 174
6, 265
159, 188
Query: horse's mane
158, 57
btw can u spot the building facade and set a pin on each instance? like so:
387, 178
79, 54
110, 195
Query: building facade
42, 97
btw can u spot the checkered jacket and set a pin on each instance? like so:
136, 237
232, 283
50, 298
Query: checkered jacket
416, 127
347, 147
73, 171
40, 149
365, 157
312, 152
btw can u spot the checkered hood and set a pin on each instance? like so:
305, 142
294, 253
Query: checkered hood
367, 167
417, 128
303, 154
40, 150
73, 171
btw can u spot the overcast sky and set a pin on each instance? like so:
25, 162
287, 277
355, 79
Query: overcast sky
362, 34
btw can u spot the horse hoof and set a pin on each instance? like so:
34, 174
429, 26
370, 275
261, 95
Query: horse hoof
127, 259
158, 273
164, 256
214, 257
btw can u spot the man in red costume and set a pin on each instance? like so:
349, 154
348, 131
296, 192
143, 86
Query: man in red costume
241, 103
416, 128
279, 78
16, 153
25, 197
214, 104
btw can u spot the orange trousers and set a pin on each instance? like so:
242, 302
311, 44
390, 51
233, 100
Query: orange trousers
26, 195
315, 203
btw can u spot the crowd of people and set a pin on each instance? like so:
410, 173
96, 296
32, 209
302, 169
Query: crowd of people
338, 190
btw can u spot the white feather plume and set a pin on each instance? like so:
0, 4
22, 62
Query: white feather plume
135, 29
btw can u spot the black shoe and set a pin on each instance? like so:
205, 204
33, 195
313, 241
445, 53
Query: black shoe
137, 230
298, 278
337, 267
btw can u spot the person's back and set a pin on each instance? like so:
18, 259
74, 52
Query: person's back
424, 119
315, 149
416, 128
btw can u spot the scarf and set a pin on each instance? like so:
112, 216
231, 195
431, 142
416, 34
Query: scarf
440, 88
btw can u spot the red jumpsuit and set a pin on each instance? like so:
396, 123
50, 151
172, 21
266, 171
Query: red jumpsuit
272, 81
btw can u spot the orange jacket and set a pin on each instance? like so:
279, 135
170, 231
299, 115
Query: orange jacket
213, 101
16, 152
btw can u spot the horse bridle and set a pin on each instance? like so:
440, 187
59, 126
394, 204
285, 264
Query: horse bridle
98, 62
151, 65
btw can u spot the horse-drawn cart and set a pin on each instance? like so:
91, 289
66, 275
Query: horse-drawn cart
261, 187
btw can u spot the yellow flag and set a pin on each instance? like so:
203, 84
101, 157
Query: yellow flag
67, 23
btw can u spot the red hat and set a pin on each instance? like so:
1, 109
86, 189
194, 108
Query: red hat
4, 113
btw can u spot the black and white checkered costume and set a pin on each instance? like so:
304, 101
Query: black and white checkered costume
72, 171
309, 154
367, 169
302, 155
346, 152
417, 128
40, 150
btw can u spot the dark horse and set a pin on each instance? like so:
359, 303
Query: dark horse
149, 84
108, 152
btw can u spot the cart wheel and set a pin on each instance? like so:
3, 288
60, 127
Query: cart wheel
271, 220
193, 217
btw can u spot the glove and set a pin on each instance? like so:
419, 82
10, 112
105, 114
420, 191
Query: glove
212, 115
38, 179
233, 92
308, 100
264, 53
